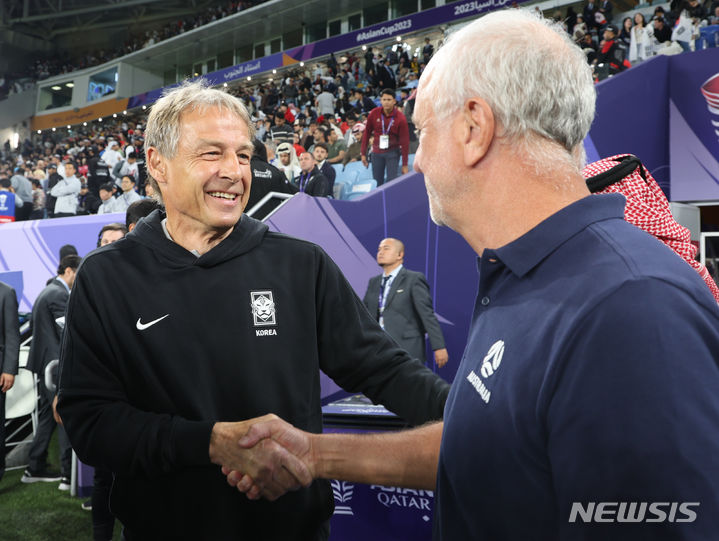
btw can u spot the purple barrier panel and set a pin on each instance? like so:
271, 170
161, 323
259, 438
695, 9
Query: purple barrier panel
633, 116
694, 126
32, 248
379, 513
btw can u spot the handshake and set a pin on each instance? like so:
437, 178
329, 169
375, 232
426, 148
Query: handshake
267, 457
264, 457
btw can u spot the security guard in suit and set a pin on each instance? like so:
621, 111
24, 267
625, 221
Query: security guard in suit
401, 301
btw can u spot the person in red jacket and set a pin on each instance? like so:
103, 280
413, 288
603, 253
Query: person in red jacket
391, 135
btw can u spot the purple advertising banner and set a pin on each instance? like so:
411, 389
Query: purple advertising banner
694, 126
398, 27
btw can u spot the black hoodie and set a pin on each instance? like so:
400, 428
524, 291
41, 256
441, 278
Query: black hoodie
179, 342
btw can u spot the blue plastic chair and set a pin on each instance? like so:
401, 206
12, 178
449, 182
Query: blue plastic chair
361, 187
362, 171
708, 37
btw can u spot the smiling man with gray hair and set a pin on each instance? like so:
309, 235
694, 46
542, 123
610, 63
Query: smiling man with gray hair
216, 320
586, 404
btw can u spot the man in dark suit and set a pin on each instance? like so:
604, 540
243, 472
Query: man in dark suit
400, 300
9, 353
311, 180
49, 307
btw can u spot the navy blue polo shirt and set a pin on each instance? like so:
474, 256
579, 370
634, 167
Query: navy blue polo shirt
586, 405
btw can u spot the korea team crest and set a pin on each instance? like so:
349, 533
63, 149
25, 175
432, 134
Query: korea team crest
263, 308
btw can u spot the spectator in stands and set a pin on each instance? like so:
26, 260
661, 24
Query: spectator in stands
98, 172
354, 152
66, 192
588, 14
606, 8
87, 202
53, 177
23, 190
128, 195
311, 180
624, 37
427, 50
38, 201
128, 167
662, 32
288, 162
319, 153
107, 205
281, 131
266, 178
610, 53
325, 103
336, 148
48, 313
389, 128
363, 103
589, 48
111, 157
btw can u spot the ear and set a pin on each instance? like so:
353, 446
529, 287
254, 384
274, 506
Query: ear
156, 165
477, 130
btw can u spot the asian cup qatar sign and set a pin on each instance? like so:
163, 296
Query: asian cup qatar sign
381, 513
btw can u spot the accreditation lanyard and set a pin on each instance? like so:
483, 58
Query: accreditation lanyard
304, 177
386, 284
385, 131
384, 138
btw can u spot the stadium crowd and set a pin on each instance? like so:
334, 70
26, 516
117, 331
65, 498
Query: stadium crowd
668, 31
321, 111
44, 67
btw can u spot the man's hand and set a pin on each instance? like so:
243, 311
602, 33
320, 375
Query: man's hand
405, 169
6, 382
270, 430
364, 161
441, 357
272, 470
55, 414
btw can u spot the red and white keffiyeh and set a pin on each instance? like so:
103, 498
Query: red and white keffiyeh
647, 208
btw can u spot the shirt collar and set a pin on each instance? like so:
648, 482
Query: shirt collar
63, 283
392, 275
523, 254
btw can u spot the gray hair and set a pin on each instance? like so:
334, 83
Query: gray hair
163, 123
534, 78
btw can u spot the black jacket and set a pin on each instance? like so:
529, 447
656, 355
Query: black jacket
150, 364
49, 305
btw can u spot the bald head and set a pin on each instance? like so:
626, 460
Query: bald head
390, 254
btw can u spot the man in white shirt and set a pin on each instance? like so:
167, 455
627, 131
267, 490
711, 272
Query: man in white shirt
128, 196
66, 192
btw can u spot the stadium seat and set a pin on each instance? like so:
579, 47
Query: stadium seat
362, 171
343, 185
361, 187
338, 167
708, 37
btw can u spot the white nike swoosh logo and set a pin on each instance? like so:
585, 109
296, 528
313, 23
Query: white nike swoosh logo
142, 326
